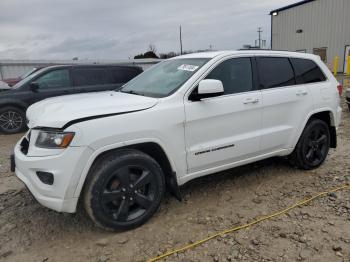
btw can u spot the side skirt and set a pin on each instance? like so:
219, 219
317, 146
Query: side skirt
188, 177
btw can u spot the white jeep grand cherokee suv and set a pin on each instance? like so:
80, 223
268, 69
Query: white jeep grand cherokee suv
184, 118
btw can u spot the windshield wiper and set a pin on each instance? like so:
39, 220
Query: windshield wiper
132, 92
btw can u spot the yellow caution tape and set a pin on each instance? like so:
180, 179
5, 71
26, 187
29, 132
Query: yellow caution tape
230, 230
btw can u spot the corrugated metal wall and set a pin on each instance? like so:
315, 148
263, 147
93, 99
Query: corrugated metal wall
325, 23
15, 68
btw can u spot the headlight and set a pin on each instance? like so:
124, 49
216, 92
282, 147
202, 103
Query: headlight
52, 139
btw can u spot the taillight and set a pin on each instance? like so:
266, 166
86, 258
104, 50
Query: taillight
340, 89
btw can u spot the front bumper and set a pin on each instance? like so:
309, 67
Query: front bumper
66, 168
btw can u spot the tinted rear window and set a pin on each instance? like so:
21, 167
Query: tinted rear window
307, 71
275, 72
90, 76
121, 75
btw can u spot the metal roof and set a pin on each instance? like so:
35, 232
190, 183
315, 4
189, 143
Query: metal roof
291, 6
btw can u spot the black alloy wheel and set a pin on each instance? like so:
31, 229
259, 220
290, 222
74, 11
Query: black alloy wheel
123, 190
313, 145
316, 146
128, 193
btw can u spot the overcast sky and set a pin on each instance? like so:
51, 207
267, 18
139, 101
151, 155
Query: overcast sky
92, 29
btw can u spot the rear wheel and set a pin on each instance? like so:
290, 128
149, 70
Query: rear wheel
123, 190
313, 145
12, 120
349, 106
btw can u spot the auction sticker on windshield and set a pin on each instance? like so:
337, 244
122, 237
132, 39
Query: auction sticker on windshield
185, 67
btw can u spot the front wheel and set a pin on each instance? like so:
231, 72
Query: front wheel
12, 120
123, 190
313, 145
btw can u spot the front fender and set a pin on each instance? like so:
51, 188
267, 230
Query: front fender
99, 151
13, 102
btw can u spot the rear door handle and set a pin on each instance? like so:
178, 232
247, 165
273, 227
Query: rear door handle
251, 100
301, 93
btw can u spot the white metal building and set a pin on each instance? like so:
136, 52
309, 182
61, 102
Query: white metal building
16, 68
321, 27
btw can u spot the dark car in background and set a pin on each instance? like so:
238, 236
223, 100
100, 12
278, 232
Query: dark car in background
56, 81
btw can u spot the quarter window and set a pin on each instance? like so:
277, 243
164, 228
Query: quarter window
307, 71
90, 76
275, 72
54, 79
235, 75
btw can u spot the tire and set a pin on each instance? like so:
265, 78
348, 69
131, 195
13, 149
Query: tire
312, 147
349, 106
123, 190
12, 120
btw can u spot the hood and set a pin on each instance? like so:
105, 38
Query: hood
57, 112
4, 86
12, 81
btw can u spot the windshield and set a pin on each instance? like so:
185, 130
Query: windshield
28, 78
164, 78
31, 71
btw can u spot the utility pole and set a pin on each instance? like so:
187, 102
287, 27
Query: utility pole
180, 41
259, 32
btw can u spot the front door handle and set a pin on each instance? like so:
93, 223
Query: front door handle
251, 100
301, 93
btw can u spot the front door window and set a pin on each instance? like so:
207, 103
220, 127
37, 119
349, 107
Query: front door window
54, 79
235, 75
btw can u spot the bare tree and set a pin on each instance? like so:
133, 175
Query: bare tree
152, 48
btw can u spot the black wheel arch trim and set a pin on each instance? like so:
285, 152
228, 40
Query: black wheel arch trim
334, 140
173, 186
328, 120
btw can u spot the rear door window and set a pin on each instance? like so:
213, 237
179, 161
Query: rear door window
121, 75
90, 76
307, 71
275, 72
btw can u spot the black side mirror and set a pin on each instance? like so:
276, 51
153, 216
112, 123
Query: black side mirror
198, 97
34, 86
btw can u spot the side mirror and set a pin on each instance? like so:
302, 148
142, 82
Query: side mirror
34, 86
208, 88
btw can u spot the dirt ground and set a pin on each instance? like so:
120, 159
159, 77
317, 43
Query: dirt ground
319, 231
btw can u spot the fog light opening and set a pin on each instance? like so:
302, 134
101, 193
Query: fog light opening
45, 177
